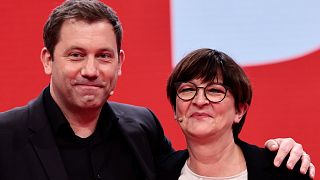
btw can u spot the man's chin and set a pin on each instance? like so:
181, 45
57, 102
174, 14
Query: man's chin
89, 106
91, 101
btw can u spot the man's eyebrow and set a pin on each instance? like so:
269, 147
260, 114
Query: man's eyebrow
74, 48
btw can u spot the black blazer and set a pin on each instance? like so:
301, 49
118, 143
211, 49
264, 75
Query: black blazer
28, 150
259, 163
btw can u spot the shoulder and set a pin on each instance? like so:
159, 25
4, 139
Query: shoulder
134, 114
260, 164
13, 128
142, 127
121, 109
13, 117
17, 117
170, 166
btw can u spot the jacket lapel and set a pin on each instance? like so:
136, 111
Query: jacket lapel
258, 164
42, 140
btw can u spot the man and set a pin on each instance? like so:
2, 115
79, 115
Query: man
70, 131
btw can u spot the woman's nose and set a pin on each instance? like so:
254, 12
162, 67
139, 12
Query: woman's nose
200, 98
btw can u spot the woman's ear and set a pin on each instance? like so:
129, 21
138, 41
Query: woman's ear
242, 109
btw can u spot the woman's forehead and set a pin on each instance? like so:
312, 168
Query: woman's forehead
217, 79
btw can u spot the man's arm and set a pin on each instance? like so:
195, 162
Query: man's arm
286, 146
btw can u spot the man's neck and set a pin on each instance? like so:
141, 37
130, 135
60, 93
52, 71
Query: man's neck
82, 121
82, 124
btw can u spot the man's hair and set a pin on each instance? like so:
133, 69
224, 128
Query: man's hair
207, 65
86, 10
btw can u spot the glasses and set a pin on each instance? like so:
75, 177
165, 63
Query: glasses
214, 92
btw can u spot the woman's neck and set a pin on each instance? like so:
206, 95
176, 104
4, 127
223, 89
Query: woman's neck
217, 158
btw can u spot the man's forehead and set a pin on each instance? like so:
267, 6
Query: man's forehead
79, 34
80, 25
77, 21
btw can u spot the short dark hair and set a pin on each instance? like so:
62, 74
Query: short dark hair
87, 10
207, 64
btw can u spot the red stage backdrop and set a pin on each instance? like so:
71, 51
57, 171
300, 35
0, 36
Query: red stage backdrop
286, 93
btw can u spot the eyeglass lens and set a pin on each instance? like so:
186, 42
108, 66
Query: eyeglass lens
213, 92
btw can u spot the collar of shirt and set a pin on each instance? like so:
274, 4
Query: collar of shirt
61, 127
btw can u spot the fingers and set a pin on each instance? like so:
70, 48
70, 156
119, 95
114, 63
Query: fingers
285, 146
312, 171
295, 154
305, 163
271, 144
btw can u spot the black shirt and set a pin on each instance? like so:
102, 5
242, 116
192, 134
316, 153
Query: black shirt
103, 155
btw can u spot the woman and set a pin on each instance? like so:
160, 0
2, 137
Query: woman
210, 95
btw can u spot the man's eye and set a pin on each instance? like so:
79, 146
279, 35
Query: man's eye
76, 56
104, 56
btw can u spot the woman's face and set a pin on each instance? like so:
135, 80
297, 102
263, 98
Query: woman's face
200, 118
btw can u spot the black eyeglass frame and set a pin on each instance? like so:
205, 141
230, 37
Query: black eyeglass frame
177, 84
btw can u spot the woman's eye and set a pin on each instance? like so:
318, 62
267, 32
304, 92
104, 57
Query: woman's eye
213, 90
187, 89
216, 90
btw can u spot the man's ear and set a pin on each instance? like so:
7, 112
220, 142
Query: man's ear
243, 108
121, 60
46, 60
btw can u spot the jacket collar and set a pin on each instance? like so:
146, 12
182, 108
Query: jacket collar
259, 164
42, 140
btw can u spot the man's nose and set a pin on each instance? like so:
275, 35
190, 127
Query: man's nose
90, 68
200, 98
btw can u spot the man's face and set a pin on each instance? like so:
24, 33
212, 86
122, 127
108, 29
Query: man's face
85, 65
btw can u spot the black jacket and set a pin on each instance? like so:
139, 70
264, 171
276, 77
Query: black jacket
28, 150
259, 163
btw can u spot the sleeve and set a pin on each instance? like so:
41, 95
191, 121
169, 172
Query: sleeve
163, 146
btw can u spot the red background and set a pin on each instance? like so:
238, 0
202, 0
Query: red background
286, 95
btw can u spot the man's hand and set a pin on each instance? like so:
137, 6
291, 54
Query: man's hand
284, 146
